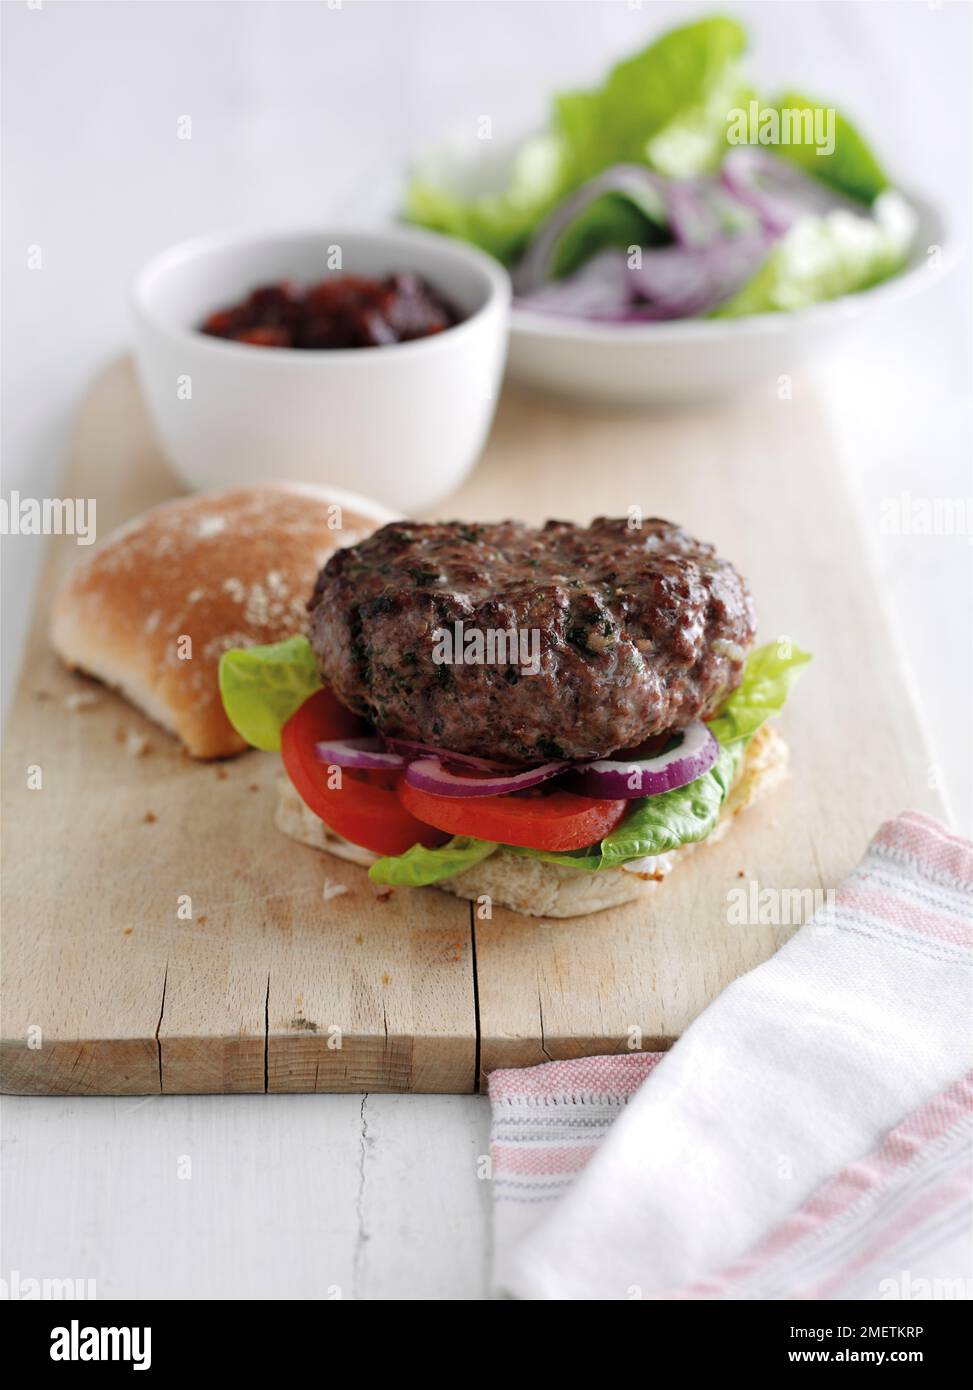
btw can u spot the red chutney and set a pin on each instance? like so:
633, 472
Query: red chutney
345, 312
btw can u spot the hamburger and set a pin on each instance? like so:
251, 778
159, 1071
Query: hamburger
549, 717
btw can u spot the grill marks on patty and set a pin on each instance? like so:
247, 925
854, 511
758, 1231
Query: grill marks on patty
640, 630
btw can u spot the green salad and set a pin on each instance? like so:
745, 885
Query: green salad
677, 190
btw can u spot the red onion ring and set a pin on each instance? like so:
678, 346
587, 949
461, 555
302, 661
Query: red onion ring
411, 750
363, 753
430, 775
614, 779
778, 192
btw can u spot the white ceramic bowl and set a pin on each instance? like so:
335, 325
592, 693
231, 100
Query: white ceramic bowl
698, 359
403, 424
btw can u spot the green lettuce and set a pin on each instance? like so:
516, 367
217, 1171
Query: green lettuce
418, 866
666, 107
500, 222
261, 687
694, 141
822, 258
654, 824
669, 109
851, 167
614, 220
770, 672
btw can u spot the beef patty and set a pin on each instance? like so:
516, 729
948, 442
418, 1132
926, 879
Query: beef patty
631, 632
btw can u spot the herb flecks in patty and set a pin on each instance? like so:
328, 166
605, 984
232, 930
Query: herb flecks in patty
639, 630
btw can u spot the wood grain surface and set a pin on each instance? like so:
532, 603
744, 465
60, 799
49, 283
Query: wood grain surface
273, 987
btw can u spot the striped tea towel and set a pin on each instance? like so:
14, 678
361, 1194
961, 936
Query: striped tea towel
808, 1137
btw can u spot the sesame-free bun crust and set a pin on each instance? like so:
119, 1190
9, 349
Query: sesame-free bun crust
537, 889
224, 569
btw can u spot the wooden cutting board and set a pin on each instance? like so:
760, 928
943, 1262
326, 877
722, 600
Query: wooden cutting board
271, 987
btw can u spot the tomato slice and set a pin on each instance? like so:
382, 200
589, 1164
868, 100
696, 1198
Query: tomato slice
365, 808
549, 820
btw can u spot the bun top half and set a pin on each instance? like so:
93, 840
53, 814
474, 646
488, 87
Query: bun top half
152, 610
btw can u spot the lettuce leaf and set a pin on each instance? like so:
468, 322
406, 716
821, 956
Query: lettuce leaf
851, 167
613, 220
665, 107
657, 824
770, 672
261, 687
684, 82
418, 866
694, 141
822, 258
500, 222
654, 824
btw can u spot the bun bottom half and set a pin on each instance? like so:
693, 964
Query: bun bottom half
537, 889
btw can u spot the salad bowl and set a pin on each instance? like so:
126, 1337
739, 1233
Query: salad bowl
697, 359
673, 236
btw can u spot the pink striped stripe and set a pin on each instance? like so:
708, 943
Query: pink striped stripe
550, 1159
900, 1147
952, 1188
610, 1076
936, 827
929, 843
900, 912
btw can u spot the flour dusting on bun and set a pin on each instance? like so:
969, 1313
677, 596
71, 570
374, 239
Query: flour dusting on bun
151, 612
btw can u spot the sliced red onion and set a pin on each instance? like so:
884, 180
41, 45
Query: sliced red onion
675, 279
690, 215
610, 779
704, 211
776, 191
599, 289
411, 750
722, 230
363, 753
682, 281
697, 212
430, 775
641, 186
671, 282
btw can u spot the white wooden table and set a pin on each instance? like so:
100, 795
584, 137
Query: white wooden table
317, 1196
366, 1197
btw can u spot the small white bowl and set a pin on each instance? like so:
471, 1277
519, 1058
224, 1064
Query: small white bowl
403, 424
701, 359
